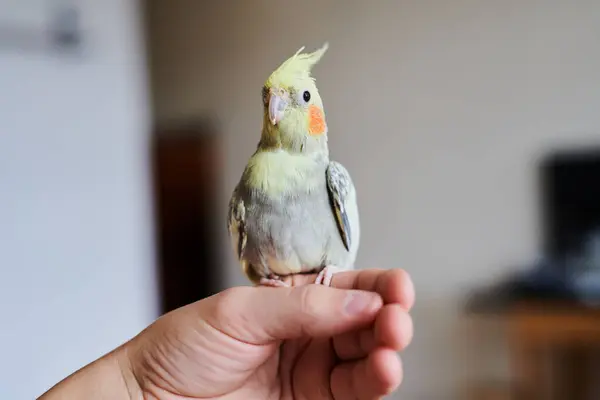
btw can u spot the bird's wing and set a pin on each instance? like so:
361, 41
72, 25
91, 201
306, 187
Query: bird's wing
236, 223
339, 186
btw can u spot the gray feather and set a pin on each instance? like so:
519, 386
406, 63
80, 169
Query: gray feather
338, 186
236, 223
298, 231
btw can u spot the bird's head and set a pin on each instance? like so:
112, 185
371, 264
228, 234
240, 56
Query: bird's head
294, 118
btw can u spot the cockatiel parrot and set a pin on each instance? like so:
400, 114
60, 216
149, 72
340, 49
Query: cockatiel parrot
294, 211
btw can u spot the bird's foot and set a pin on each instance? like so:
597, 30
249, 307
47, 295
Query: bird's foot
273, 281
324, 277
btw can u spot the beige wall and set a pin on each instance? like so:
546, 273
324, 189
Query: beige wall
77, 273
439, 110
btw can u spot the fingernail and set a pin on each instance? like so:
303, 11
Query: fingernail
358, 302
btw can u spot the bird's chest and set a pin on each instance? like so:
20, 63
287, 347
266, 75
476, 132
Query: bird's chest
279, 174
288, 217
292, 231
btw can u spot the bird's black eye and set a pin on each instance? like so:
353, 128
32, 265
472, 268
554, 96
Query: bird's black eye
306, 96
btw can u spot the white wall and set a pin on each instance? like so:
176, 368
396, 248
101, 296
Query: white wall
439, 110
76, 256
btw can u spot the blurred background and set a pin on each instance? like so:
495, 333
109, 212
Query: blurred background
470, 128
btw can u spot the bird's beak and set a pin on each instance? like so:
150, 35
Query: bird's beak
277, 106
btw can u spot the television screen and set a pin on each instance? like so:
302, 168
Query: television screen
571, 200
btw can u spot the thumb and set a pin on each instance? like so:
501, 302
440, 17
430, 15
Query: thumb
261, 315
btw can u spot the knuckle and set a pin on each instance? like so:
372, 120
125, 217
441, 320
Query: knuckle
404, 274
401, 274
408, 288
408, 333
226, 302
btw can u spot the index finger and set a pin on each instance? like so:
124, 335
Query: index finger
393, 285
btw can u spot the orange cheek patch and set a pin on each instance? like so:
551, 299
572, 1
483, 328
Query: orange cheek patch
316, 120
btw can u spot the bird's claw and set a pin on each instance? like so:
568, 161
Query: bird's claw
273, 282
326, 275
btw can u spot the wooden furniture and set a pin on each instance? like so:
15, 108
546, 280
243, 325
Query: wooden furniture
552, 344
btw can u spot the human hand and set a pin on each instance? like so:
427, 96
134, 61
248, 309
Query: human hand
303, 342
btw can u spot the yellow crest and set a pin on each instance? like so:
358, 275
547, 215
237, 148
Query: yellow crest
296, 67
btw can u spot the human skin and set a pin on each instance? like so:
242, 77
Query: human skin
300, 342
